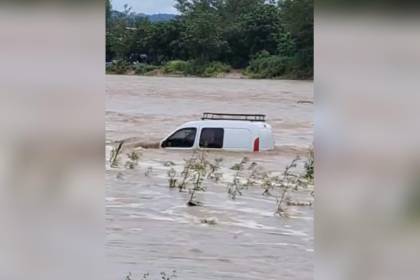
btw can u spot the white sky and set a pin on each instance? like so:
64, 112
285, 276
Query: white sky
146, 6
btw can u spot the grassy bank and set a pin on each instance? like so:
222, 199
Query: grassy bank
261, 67
174, 67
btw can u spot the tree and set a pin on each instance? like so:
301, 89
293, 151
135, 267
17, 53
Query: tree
202, 35
298, 19
286, 45
229, 31
108, 11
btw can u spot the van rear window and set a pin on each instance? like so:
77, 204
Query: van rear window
212, 138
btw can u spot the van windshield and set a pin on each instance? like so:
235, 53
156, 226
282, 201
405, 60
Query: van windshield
183, 138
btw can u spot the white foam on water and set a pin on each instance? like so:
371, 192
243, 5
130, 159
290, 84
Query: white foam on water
249, 224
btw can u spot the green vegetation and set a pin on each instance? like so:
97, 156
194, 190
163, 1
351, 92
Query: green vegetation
118, 67
143, 68
176, 67
199, 171
297, 177
265, 65
215, 68
270, 39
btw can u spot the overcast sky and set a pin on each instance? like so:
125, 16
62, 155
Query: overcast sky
146, 6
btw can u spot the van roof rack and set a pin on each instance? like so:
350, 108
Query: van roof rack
234, 117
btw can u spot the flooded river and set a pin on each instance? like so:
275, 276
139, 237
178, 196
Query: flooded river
150, 229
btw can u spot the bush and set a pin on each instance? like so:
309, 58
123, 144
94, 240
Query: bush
143, 68
263, 66
215, 68
118, 67
269, 66
196, 67
176, 67
202, 68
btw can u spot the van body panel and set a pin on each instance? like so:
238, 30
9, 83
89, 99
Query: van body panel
266, 139
237, 135
237, 139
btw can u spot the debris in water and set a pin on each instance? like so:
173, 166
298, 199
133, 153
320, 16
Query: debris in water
120, 176
305, 102
210, 221
148, 145
192, 203
299, 203
168, 163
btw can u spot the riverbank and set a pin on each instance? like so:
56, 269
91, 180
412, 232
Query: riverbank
263, 68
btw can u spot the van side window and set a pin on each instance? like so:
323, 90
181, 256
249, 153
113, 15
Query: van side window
183, 138
212, 138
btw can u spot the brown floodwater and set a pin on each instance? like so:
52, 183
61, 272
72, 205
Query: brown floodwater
149, 227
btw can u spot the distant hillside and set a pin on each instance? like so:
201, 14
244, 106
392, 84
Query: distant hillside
160, 17
152, 18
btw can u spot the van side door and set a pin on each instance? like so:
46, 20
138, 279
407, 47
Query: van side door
211, 138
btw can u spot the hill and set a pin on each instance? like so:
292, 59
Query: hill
160, 17
152, 18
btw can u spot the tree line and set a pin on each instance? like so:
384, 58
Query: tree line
268, 39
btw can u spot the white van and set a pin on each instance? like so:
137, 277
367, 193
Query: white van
231, 132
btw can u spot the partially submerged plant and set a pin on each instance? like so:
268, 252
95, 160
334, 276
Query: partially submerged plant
255, 175
165, 276
240, 166
134, 156
149, 171
186, 173
133, 160
213, 168
115, 152
168, 163
130, 165
146, 276
199, 170
287, 181
209, 221
120, 176
252, 166
309, 167
171, 178
235, 187
196, 170
267, 184
281, 186
217, 176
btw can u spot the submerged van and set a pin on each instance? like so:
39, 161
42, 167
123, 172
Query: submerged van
231, 132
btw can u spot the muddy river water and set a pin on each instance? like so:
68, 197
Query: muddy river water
150, 229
